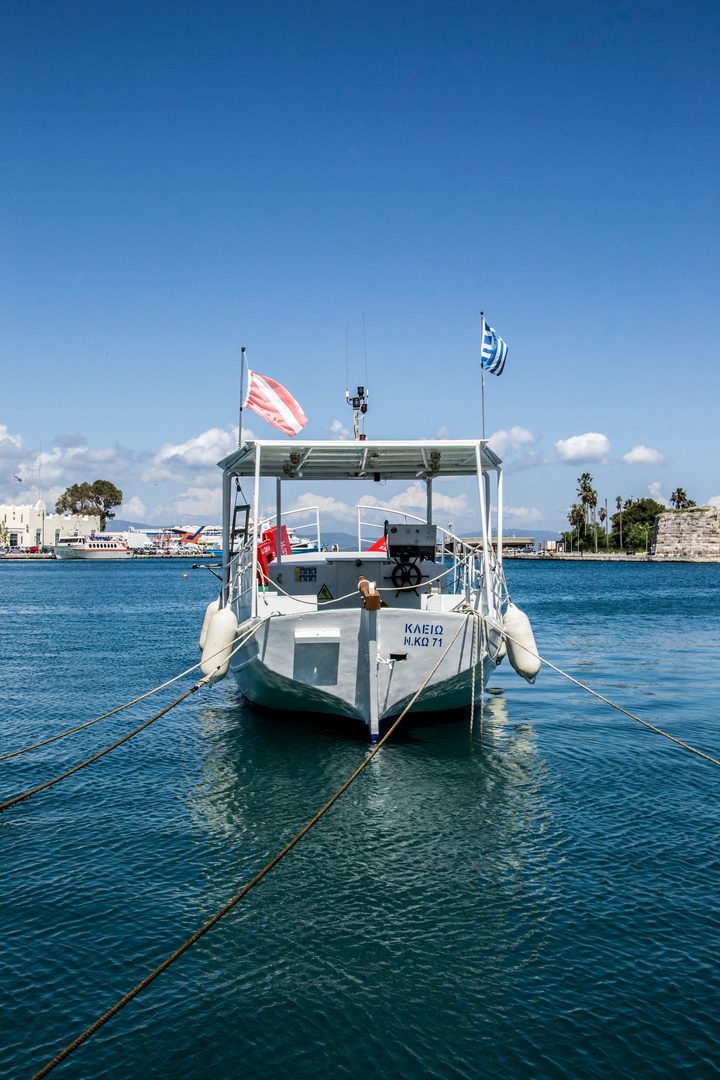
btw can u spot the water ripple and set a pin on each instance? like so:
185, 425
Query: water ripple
542, 905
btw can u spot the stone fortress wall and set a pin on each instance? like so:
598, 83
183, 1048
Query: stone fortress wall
688, 534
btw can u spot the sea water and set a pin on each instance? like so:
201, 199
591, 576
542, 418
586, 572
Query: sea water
543, 903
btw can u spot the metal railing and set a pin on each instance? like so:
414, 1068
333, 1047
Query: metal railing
464, 574
269, 521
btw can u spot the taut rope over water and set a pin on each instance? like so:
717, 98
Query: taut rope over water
244, 891
607, 701
50, 783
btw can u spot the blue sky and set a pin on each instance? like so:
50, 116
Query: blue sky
183, 178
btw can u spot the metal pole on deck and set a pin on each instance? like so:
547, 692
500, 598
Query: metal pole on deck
278, 521
482, 369
226, 538
428, 505
256, 535
499, 516
484, 527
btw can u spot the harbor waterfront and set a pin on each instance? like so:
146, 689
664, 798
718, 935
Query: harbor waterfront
543, 904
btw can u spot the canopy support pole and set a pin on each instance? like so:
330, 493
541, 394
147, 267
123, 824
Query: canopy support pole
278, 521
256, 535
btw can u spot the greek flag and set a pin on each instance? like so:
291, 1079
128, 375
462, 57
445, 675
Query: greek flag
494, 352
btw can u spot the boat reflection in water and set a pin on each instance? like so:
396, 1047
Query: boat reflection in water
427, 884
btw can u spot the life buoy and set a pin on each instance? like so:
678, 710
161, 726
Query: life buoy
265, 554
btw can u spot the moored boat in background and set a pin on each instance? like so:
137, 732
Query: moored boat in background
92, 548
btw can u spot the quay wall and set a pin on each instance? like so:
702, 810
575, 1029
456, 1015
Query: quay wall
688, 534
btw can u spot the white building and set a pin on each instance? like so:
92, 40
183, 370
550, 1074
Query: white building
31, 526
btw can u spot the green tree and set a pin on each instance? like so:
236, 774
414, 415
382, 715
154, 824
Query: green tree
680, 500
585, 493
76, 499
105, 497
98, 498
576, 517
592, 507
637, 519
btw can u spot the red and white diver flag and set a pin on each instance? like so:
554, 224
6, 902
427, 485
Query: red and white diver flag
274, 403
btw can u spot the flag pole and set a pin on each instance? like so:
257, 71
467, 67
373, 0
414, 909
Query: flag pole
242, 391
482, 369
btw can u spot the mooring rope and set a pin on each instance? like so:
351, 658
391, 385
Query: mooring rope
473, 654
482, 676
244, 891
202, 682
49, 783
89, 723
607, 701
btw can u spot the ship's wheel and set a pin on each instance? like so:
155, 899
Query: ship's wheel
406, 576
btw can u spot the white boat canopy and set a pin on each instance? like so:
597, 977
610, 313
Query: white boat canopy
343, 460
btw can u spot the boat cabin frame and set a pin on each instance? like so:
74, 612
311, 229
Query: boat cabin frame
366, 460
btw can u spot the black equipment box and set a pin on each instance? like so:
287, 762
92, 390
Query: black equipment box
411, 542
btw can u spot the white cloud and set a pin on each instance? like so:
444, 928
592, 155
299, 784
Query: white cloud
714, 501
196, 502
643, 455
415, 497
515, 439
337, 431
11, 458
412, 499
592, 446
522, 513
197, 457
654, 492
326, 504
66, 465
133, 508
5, 436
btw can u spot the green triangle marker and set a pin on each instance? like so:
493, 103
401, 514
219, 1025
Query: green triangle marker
324, 594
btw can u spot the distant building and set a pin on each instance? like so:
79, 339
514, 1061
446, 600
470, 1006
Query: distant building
517, 544
555, 546
31, 526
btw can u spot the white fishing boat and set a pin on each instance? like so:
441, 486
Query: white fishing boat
357, 633
92, 548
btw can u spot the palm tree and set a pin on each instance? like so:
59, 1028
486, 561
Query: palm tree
591, 499
584, 490
602, 514
576, 517
618, 504
680, 500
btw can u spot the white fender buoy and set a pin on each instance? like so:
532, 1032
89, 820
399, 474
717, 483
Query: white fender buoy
521, 647
210, 610
502, 652
218, 645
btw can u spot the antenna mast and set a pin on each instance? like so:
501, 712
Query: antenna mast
359, 405
242, 390
359, 401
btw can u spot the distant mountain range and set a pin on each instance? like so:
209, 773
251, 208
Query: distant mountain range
120, 525
345, 541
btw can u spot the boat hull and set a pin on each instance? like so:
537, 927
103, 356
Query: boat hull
365, 665
62, 551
